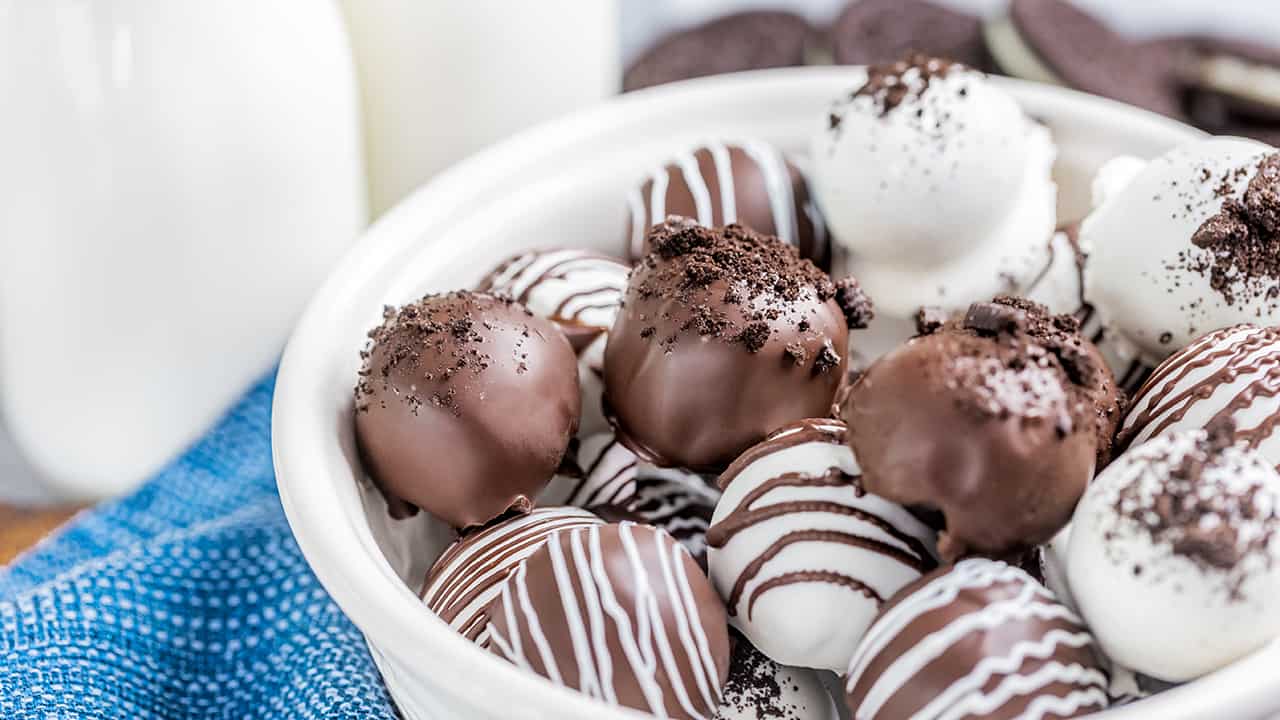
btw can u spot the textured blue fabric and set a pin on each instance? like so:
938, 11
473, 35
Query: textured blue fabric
187, 599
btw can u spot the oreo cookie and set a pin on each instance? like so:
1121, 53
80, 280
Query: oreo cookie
1233, 87
743, 41
1056, 42
870, 32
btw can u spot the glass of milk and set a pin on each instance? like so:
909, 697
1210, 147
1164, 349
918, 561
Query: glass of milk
177, 177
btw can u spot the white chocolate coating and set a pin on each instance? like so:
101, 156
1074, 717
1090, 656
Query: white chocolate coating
945, 200
1139, 241
1233, 372
1154, 601
569, 286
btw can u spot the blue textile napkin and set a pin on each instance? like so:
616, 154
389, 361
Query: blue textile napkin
188, 599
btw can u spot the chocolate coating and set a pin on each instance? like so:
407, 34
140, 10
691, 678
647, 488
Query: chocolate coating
748, 182
724, 335
659, 640
993, 419
470, 572
465, 406
976, 639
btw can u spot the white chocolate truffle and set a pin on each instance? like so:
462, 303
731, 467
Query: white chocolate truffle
471, 571
1174, 556
579, 290
761, 689
802, 557
1230, 373
937, 184
1158, 269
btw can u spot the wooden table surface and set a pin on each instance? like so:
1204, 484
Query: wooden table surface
20, 528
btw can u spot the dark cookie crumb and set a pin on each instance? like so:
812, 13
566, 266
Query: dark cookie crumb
1242, 240
853, 301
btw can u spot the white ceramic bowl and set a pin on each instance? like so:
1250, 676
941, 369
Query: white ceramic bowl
563, 184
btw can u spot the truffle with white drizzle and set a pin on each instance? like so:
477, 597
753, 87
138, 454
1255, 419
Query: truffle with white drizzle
721, 182
1174, 557
976, 639
579, 290
803, 557
620, 613
1233, 373
471, 571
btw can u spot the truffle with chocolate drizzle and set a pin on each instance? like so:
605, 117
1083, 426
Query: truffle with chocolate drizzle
725, 334
620, 613
1000, 414
579, 290
1229, 374
801, 555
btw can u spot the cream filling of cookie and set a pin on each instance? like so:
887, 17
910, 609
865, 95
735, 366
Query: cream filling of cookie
1013, 54
1241, 78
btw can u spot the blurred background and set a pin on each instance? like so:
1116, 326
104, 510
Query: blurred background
177, 177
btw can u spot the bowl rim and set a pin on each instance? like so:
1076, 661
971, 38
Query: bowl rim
330, 533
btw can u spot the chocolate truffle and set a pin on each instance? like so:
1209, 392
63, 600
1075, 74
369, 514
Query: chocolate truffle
620, 613
1174, 556
470, 573
995, 419
976, 639
748, 182
752, 40
1229, 374
801, 555
465, 406
578, 290
724, 335
761, 689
